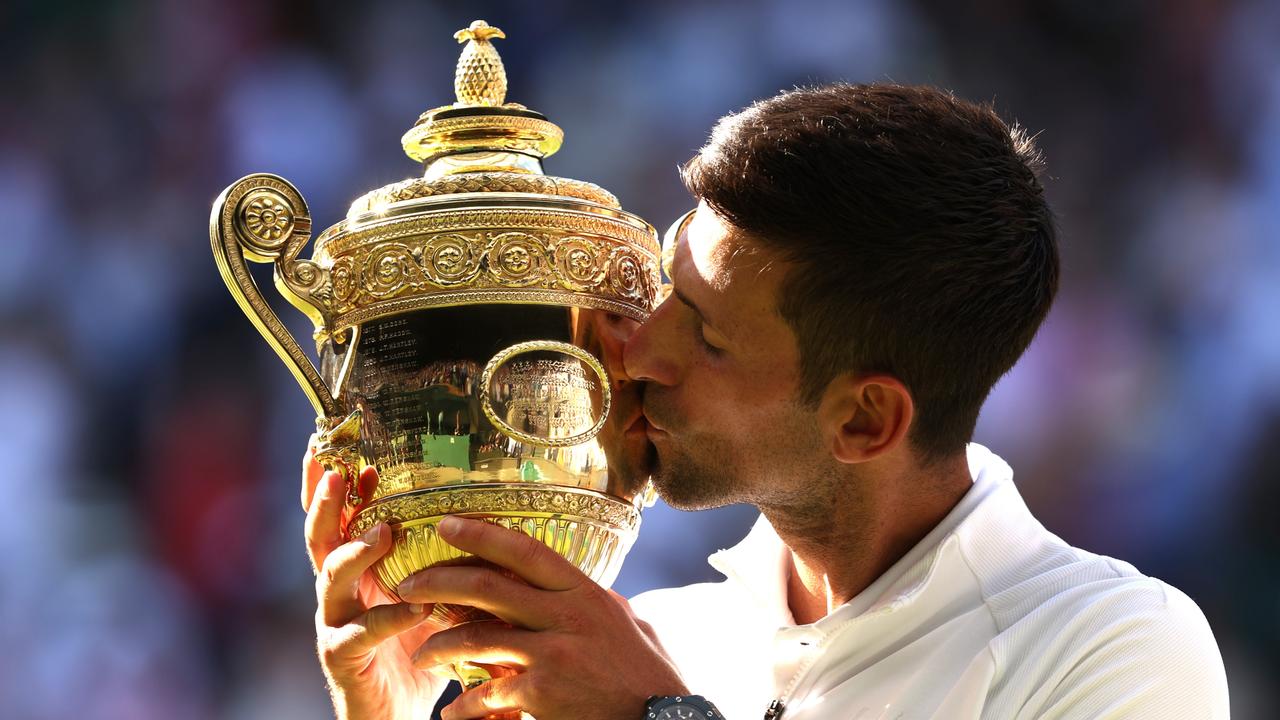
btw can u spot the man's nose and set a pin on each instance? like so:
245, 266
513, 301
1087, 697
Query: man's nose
647, 354
612, 332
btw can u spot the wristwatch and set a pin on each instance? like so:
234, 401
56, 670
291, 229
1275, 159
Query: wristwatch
681, 707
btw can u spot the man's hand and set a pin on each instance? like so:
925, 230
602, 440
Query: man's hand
364, 638
577, 649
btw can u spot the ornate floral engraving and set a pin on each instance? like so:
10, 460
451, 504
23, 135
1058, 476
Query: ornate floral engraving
391, 269
517, 259
344, 276
266, 216
453, 268
453, 259
626, 274
579, 263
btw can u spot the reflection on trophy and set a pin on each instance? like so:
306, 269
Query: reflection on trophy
462, 322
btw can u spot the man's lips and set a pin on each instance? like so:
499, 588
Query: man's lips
634, 421
657, 436
652, 427
639, 425
647, 402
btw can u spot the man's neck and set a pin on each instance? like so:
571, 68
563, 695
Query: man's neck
837, 556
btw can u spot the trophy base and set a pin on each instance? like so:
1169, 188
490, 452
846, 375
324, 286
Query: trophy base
590, 529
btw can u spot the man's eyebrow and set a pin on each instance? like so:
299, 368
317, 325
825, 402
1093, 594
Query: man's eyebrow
692, 306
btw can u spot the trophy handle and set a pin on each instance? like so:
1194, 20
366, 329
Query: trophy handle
264, 218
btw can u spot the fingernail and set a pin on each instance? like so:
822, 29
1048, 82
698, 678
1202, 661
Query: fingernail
449, 525
372, 535
330, 483
417, 608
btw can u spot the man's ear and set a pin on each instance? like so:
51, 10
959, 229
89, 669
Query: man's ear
864, 417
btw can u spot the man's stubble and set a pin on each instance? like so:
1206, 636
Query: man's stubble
701, 469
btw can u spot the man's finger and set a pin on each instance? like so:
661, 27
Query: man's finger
324, 520
312, 471
483, 588
525, 556
484, 641
338, 582
625, 603
377, 625
497, 695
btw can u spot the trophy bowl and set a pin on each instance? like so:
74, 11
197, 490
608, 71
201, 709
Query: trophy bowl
468, 326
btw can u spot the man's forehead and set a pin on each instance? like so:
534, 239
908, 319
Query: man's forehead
729, 279
716, 251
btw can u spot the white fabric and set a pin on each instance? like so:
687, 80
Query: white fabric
990, 616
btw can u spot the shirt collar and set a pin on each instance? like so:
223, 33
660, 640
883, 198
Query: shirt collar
760, 563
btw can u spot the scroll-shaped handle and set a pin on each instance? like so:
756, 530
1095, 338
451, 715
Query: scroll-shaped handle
264, 218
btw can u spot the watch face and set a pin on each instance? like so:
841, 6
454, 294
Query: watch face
678, 712
688, 707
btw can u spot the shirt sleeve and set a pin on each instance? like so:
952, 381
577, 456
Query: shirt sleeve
1146, 660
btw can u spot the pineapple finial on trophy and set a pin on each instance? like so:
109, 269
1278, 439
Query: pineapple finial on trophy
480, 78
481, 132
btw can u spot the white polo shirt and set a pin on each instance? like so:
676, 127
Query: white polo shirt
990, 616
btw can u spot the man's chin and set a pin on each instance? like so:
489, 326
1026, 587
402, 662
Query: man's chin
683, 492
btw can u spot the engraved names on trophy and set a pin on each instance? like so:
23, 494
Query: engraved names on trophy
422, 413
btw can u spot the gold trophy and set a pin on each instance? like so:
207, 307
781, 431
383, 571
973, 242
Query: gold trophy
462, 322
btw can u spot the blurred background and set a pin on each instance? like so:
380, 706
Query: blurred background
153, 563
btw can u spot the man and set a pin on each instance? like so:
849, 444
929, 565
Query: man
864, 263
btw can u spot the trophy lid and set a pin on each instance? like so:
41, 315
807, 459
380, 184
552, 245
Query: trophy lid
482, 224
481, 143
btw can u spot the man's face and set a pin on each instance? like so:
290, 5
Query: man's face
721, 371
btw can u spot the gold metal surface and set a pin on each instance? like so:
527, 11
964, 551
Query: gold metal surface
434, 136
463, 321
338, 448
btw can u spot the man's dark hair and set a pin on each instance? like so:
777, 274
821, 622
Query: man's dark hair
919, 240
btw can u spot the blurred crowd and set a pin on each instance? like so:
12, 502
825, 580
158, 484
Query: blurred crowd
153, 563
